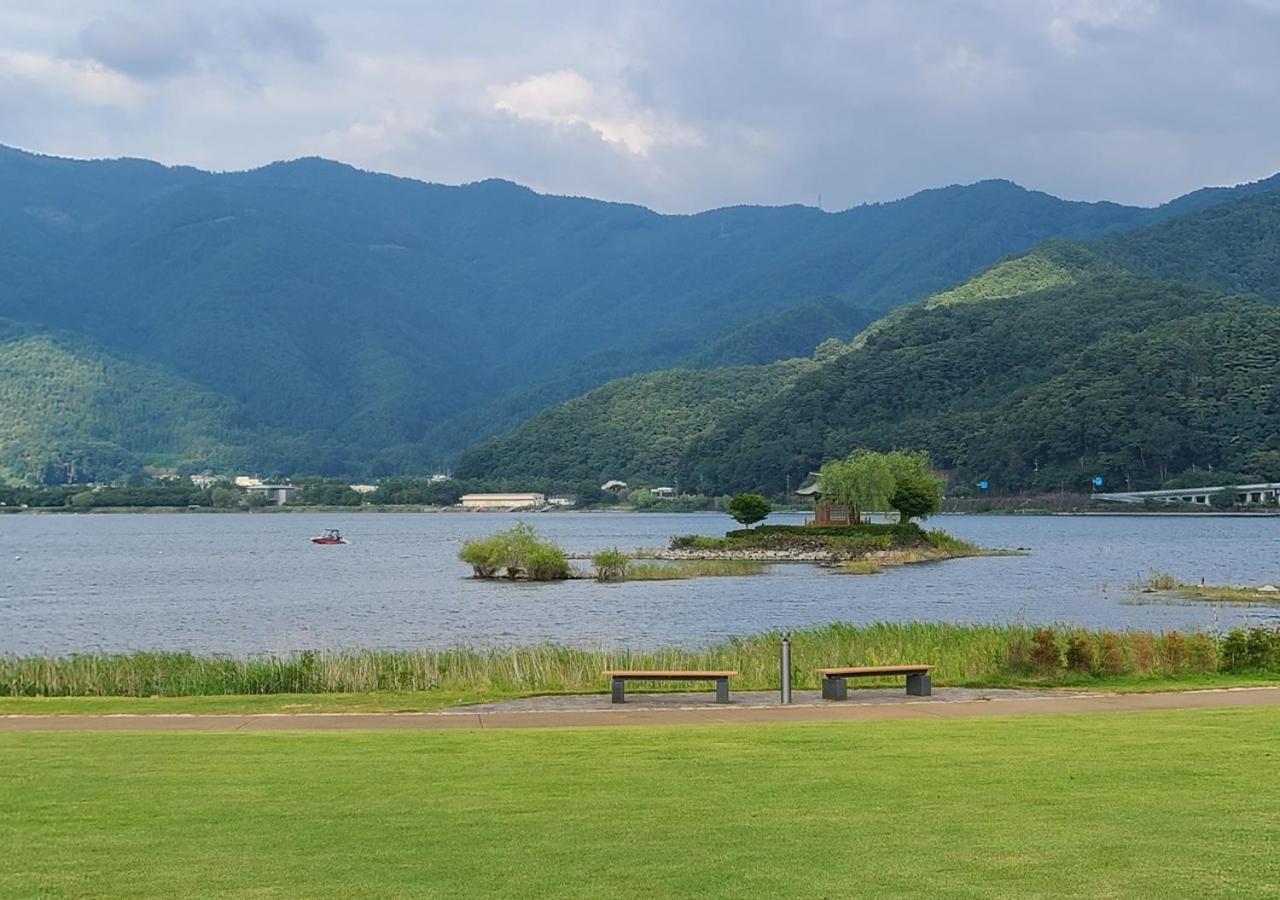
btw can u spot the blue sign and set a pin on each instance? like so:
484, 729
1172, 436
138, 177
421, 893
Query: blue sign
1097, 481
983, 485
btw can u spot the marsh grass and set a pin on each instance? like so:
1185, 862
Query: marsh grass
972, 655
693, 568
1163, 583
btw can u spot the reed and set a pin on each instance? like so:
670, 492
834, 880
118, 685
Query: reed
693, 568
964, 654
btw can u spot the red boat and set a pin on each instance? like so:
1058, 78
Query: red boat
330, 536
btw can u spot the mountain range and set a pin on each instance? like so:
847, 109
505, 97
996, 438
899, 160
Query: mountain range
309, 317
1138, 356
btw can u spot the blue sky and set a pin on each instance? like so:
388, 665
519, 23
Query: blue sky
677, 105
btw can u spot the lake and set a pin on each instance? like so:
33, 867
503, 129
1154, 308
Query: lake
254, 583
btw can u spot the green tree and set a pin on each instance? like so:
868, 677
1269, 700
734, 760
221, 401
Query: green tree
747, 509
917, 492
863, 482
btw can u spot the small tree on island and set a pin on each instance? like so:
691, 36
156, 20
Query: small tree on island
917, 492
868, 481
747, 509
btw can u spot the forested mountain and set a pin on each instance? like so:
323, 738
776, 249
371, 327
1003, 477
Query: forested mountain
363, 324
66, 401
1067, 361
638, 427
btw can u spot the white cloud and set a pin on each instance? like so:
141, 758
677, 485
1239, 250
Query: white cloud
81, 80
566, 99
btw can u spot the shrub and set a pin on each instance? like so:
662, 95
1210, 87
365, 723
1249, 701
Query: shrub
747, 509
545, 562
1202, 655
484, 555
517, 552
1144, 652
699, 542
1235, 651
1263, 648
1080, 653
1018, 658
611, 565
1111, 659
1173, 652
1044, 651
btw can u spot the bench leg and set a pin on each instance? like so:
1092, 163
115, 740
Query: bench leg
619, 691
835, 689
722, 690
919, 684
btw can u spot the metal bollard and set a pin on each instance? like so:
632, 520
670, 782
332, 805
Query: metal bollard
786, 667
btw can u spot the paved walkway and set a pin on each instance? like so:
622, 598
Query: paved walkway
673, 709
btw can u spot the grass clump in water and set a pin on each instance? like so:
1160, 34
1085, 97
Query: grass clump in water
694, 568
515, 553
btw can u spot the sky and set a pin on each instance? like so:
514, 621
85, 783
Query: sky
679, 106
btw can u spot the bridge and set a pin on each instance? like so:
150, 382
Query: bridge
1245, 494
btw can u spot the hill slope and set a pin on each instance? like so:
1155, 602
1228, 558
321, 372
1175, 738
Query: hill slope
637, 427
69, 404
385, 323
1045, 369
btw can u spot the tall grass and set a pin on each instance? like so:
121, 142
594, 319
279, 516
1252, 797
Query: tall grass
964, 655
693, 568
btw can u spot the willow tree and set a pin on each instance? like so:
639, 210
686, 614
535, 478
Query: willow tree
863, 482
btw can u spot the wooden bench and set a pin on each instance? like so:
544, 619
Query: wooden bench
836, 687
620, 679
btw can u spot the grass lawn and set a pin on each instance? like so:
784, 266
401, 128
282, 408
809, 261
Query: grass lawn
1179, 804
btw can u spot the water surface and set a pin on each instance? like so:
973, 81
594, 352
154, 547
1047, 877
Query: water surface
253, 583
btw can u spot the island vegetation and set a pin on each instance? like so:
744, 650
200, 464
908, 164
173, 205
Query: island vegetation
516, 553
1165, 584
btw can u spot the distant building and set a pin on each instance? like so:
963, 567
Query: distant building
364, 488
248, 481
614, 485
663, 493
503, 501
562, 500
824, 512
204, 481
437, 478
275, 494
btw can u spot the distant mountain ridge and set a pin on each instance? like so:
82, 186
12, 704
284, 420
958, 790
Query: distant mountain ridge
368, 325
1071, 358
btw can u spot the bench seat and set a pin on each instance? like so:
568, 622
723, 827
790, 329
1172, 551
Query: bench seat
619, 678
835, 685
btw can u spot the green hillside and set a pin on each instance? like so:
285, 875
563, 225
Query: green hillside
380, 324
1123, 376
637, 427
1068, 361
64, 403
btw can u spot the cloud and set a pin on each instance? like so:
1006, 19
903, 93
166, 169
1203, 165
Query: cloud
171, 40
679, 106
566, 99
59, 80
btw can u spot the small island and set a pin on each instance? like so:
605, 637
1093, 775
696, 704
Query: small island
843, 492
1168, 585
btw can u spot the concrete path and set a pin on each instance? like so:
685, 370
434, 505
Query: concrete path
665, 710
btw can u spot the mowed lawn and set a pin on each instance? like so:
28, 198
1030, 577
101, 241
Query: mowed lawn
1179, 804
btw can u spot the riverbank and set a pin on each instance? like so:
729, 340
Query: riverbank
965, 656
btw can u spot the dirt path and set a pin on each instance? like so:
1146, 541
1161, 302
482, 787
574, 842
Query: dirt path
637, 714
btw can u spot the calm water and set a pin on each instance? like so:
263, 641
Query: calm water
253, 583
